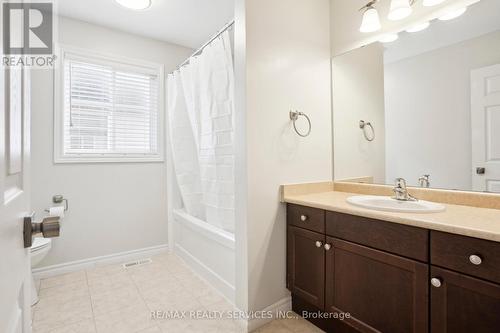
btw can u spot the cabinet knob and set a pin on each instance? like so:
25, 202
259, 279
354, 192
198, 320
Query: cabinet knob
319, 244
436, 282
475, 259
303, 218
328, 246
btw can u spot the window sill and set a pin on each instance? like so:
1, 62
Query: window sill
90, 160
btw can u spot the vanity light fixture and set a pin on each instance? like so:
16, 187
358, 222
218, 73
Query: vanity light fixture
400, 9
430, 3
389, 38
419, 27
453, 14
371, 20
135, 4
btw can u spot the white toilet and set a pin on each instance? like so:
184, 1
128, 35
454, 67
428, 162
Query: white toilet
39, 249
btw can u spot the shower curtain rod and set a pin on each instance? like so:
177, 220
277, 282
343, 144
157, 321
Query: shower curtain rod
195, 53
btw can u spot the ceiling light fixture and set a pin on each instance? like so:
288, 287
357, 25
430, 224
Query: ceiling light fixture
388, 38
453, 14
419, 27
135, 4
430, 3
400, 9
371, 20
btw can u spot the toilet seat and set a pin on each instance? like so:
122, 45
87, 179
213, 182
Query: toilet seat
40, 243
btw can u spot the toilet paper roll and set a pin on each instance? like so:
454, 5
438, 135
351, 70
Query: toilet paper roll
56, 211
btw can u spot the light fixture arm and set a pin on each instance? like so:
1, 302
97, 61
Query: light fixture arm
373, 2
369, 5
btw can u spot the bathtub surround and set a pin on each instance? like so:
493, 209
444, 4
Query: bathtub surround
114, 207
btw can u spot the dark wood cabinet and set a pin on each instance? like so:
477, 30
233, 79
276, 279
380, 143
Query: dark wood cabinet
306, 217
455, 252
382, 292
306, 265
463, 304
377, 275
403, 240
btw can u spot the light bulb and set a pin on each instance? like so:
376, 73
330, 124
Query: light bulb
371, 21
388, 38
419, 27
400, 9
430, 3
135, 4
453, 14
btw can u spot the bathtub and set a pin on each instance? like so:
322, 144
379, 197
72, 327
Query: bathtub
208, 250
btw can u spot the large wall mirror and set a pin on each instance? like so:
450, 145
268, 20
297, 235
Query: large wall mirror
425, 107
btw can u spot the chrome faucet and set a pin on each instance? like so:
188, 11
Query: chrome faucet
424, 181
401, 192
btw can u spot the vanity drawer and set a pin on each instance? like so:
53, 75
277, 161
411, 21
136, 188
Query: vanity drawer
306, 217
395, 238
455, 251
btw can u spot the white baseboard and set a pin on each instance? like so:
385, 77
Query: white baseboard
73, 266
224, 287
281, 306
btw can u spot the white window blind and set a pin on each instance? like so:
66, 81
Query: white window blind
110, 109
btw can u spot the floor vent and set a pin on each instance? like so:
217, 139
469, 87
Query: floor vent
137, 263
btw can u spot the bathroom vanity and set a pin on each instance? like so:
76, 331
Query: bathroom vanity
416, 118
389, 275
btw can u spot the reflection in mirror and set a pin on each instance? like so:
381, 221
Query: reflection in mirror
433, 100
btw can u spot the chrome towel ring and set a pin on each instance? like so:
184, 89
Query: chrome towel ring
363, 125
294, 115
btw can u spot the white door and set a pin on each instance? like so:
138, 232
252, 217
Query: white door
15, 312
485, 124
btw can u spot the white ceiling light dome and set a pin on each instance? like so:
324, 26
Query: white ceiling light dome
135, 4
430, 3
453, 14
419, 27
371, 20
400, 9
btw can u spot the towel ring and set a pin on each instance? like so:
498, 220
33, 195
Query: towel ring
363, 125
294, 115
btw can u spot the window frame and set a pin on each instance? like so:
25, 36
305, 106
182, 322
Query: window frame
59, 87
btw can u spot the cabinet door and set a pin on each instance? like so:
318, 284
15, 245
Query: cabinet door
306, 265
382, 292
462, 304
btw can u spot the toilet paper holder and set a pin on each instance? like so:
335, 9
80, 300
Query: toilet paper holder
58, 199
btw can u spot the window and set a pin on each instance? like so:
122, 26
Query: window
109, 109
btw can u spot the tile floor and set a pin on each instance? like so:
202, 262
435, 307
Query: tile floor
112, 299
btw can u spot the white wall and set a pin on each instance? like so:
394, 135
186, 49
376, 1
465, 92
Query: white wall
283, 57
114, 207
430, 93
358, 94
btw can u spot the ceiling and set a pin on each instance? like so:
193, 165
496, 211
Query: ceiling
188, 23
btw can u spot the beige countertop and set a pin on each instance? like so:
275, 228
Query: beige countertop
463, 220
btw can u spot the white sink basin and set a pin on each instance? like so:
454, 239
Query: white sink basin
392, 205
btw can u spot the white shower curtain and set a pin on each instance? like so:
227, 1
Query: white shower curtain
200, 109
